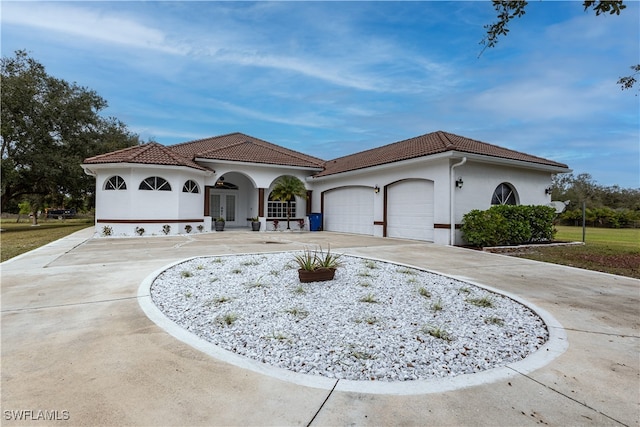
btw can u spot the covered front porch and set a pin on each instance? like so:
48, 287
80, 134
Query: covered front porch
240, 197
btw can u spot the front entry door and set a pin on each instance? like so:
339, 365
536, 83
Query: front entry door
224, 205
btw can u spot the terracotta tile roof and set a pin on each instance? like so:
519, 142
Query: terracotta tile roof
151, 153
425, 145
243, 148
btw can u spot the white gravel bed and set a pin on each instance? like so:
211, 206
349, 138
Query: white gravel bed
375, 321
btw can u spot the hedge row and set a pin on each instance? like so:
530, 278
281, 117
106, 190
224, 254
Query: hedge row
508, 225
602, 217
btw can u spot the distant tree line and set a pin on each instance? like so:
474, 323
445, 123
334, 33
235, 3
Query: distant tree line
612, 206
48, 127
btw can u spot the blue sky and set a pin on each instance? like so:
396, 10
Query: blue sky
334, 78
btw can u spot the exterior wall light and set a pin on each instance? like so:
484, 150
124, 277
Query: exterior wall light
459, 183
548, 190
376, 189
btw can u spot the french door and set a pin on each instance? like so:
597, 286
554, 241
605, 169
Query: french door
223, 206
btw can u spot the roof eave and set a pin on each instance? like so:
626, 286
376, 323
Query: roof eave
240, 163
483, 158
453, 154
384, 166
111, 165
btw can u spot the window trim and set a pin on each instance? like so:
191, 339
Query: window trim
499, 197
278, 209
159, 184
194, 188
119, 184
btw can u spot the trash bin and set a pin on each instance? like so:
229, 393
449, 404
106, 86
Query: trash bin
315, 222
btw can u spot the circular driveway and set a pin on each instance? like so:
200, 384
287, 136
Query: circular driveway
76, 344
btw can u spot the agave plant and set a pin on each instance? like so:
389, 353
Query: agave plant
306, 260
311, 261
327, 260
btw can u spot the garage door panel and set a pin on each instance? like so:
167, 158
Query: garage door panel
349, 210
410, 209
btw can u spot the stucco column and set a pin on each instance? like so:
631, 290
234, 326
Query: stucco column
308, 207
452, 202
261, 202
207, 192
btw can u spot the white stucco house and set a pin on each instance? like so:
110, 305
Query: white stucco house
418, 188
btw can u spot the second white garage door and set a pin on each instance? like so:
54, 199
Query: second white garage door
349, 210
410, 210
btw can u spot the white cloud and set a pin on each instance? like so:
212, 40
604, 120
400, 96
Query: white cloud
364, 71
360, 61
86, 24
308, 67
307, 119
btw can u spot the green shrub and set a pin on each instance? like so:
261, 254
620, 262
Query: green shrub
483, 228
541, 220
518, 228
508, 225
602, 217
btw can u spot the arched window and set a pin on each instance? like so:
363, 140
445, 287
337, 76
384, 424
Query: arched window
115, 183
155, 183
504, 194
278, 209
190, 187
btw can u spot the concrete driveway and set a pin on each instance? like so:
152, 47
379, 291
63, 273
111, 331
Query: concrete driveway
77, 349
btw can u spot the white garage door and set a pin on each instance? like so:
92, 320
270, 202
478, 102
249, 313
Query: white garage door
349, 210
410, 210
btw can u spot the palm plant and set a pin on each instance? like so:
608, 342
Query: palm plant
286, 189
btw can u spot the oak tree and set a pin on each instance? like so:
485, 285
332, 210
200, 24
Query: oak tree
48, 127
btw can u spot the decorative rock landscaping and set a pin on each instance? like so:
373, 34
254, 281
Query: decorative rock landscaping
376, 321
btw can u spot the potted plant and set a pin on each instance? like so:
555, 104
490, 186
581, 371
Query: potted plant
317, 266
219, 224
255, 224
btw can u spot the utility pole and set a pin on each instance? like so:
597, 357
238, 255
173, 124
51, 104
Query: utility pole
584, 221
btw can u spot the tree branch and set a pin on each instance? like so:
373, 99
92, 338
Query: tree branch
629, 81
507, 10
613, 7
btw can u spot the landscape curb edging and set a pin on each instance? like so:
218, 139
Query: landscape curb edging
553, 347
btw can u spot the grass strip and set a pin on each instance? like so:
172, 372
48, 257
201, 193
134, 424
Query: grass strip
609, 250
18, 238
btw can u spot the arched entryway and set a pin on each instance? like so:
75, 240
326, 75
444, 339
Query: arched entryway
233, 197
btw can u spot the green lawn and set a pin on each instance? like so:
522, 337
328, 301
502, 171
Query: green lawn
18, 238
619, 237
615, 251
